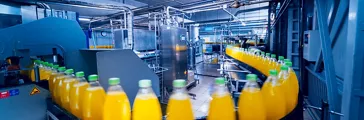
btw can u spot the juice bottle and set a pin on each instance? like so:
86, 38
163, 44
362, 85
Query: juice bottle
280, 62
56, 85
273, 61
67, 83
293, 81
289, 88
274, 95
179, 104
116, 106
51, 78
221, 105
32, 72
146, 104
251, 105
93, 100
42, 70
76, 94
47, 70
266, 64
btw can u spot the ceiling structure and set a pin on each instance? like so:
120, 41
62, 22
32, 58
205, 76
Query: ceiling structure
205, 13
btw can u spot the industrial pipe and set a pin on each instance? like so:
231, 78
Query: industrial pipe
168, 15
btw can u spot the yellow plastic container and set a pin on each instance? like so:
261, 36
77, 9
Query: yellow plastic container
221, 105
77, 94
146, 104
93, 101
179, 104
116, 106
65, 89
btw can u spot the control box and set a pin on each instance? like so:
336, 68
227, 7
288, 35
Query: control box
312, 45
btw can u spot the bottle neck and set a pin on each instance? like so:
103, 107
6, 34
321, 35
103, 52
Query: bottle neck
94, 83
220, 89
81, 79
273, 80
145, 90
283, 74
179, 90
115, 88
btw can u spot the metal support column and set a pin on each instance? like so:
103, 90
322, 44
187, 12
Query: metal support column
293, 35
330, 74
353, 93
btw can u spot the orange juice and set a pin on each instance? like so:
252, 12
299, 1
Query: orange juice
221, 106
93, 100
46, 70
146, 104
179, 104
57, 85
289, 81
67, 83
51, 78
288, 89
116, 106
76, 94
251, 105
274, 95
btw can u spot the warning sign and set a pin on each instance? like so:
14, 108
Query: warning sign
35, 91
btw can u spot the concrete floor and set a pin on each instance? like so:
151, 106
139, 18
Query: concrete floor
202, 90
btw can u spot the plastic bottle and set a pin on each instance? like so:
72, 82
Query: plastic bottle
93, 101
52, 76
273, 94
280, 60
179, 104
146, 104
273, 61
47, 70
251, 105
77, 93
221, 105
117, 105
293, 81
32, 73
67, 83
57, 85
289, 89
266, 64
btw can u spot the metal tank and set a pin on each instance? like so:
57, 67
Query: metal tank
173, 54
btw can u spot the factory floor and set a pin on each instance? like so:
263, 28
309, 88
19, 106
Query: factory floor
207, 72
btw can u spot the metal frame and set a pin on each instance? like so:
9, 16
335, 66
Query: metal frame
330, 74
353, 95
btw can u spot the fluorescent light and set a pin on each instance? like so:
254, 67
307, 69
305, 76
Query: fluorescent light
84, 19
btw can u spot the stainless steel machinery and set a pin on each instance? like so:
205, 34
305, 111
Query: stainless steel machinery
173, 54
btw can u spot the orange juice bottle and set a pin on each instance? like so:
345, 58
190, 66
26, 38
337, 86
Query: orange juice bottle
251, 105
273, 61
51, 78
274, 95
76, 94
146, 105
266, 64
287, 85
67, 83
280, 62
47, 70
116, 106
179, 104
293, 83
32, 72
57, 85
221, 105
93, 100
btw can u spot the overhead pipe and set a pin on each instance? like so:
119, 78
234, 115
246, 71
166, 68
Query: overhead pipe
168, 15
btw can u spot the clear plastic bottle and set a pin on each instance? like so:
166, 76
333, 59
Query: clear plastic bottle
116, 106
67, 83
221, 106
76, 94
289, 88
280, 60
251, 105
146, 104
52, 77
273, 61
293, 81
274, 95
57, 85
179, 104
93, 101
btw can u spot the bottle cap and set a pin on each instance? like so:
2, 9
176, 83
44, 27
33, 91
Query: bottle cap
280, 57
46, 63
273, 55
93, 77
289, 64
61, 69
273, 72
179, 83
220, 81
114, 81
80, 74
55, 67
145, 83
251, 77
286, 60
267, 54
69, 71
284, 67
